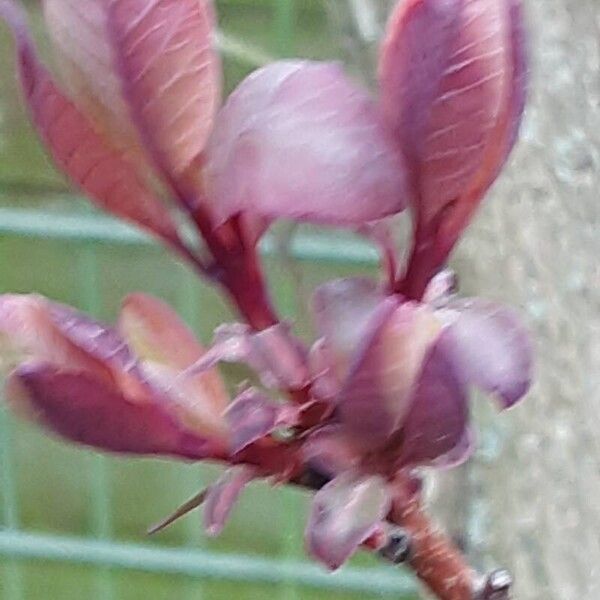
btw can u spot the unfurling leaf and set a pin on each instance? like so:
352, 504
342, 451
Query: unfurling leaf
252, 416
452, 75
90, 161
86, 410
144, 71
346, 310
79, 378
299, 140
166, 349
436, 424
274, 354
171, 75
378, 392
222, 496
493, 349
344, 514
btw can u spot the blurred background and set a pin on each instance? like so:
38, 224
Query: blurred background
72, 524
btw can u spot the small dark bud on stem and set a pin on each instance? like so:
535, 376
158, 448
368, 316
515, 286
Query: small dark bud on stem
398, 549
497, 586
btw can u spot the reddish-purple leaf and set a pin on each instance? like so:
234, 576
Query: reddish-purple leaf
344, 310
329, 451
437, 421
86, 63
493, 349
86, 410
459, 454
413, 58
274, 354
105, 345
252, 416
299, 140
28, 332
222, 496
452, 77
325, 384
344, 514
166, 348
171, 75
101, 171
377, 394
280, 357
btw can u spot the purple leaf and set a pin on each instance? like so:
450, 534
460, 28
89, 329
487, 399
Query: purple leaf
104, 344
325, 384
222, 496
280, 357
165, 348
104, 173
344, 514
299, 140
452, 79
329, 451
274, 354
86, 410
493, 349
377, 393
459, 454
27, 332
437, 421
97, 339
171, 75
413, 57
252, 416
344, 310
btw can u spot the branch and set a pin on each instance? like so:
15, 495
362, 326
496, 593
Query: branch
439, 565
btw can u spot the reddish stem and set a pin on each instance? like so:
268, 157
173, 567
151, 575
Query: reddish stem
238, 270
243, 279
425, 260
434, 558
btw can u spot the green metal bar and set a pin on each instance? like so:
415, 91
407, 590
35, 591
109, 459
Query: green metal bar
99, 471
10, 508
11, 575
386, 581
188, 302
12, 578
335, 246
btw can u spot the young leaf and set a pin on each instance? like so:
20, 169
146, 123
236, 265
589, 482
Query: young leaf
274, 354
344, 514
222, 496
493, 349
86, 410
299, 140
28, 332
101, 171
343, 311
452, 77
166, 348
437, 422
171, 75
252, 416
377, 394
